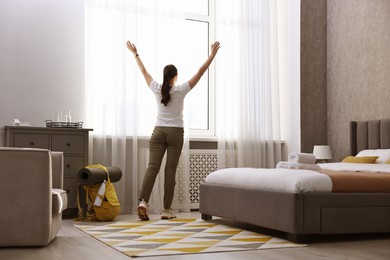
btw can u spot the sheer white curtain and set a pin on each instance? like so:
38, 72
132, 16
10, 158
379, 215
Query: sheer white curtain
120, 107
255, 74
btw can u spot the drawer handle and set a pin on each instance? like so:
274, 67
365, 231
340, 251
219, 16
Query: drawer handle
67, 190
32, 143
68, 166
68, 144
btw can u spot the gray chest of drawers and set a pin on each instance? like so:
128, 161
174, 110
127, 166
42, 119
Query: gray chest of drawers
73, 142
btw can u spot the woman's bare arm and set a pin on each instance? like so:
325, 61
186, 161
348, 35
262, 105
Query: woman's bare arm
141, 66
195, 79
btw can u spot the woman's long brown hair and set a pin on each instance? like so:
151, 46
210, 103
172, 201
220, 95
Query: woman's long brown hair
170, 72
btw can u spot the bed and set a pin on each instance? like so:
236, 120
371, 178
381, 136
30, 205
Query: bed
301, 213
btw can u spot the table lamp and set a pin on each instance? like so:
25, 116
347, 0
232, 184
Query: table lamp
322, 153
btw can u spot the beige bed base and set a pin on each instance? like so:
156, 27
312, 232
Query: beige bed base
298, 214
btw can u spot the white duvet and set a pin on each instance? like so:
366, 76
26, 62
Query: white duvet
272, 179
287, 180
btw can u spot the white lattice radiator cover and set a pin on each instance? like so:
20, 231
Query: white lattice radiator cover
202, 163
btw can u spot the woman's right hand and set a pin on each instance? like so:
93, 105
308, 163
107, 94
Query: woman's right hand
214, 48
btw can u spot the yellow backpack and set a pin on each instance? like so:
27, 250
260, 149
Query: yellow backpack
109, 207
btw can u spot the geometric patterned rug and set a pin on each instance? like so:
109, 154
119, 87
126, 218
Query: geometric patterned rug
179, 236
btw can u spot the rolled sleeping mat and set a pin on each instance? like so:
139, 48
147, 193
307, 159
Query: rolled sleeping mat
92, 176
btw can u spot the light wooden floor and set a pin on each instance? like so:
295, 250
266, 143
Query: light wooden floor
71, 244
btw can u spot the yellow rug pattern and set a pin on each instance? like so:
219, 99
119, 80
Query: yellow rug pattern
179, 236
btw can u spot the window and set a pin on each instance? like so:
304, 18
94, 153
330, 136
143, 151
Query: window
165, 32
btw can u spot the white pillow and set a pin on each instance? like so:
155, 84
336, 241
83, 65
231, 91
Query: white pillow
384, 154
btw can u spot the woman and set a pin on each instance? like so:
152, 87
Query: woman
168, 132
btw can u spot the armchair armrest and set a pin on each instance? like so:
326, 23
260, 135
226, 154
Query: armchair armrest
57, 162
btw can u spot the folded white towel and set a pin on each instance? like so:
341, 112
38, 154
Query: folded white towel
295, 166
282, 164
308, 158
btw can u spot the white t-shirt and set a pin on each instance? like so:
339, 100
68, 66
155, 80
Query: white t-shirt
172, 114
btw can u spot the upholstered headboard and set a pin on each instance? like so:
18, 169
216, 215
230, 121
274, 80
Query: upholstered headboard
373, 134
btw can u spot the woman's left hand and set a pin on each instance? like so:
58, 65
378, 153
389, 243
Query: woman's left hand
131, 47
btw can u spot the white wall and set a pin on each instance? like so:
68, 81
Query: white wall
41, 60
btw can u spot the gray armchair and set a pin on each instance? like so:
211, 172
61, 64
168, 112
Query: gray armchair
31, 199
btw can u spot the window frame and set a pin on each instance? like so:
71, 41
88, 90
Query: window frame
210, 20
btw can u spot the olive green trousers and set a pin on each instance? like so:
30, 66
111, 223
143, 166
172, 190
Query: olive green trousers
169, 139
